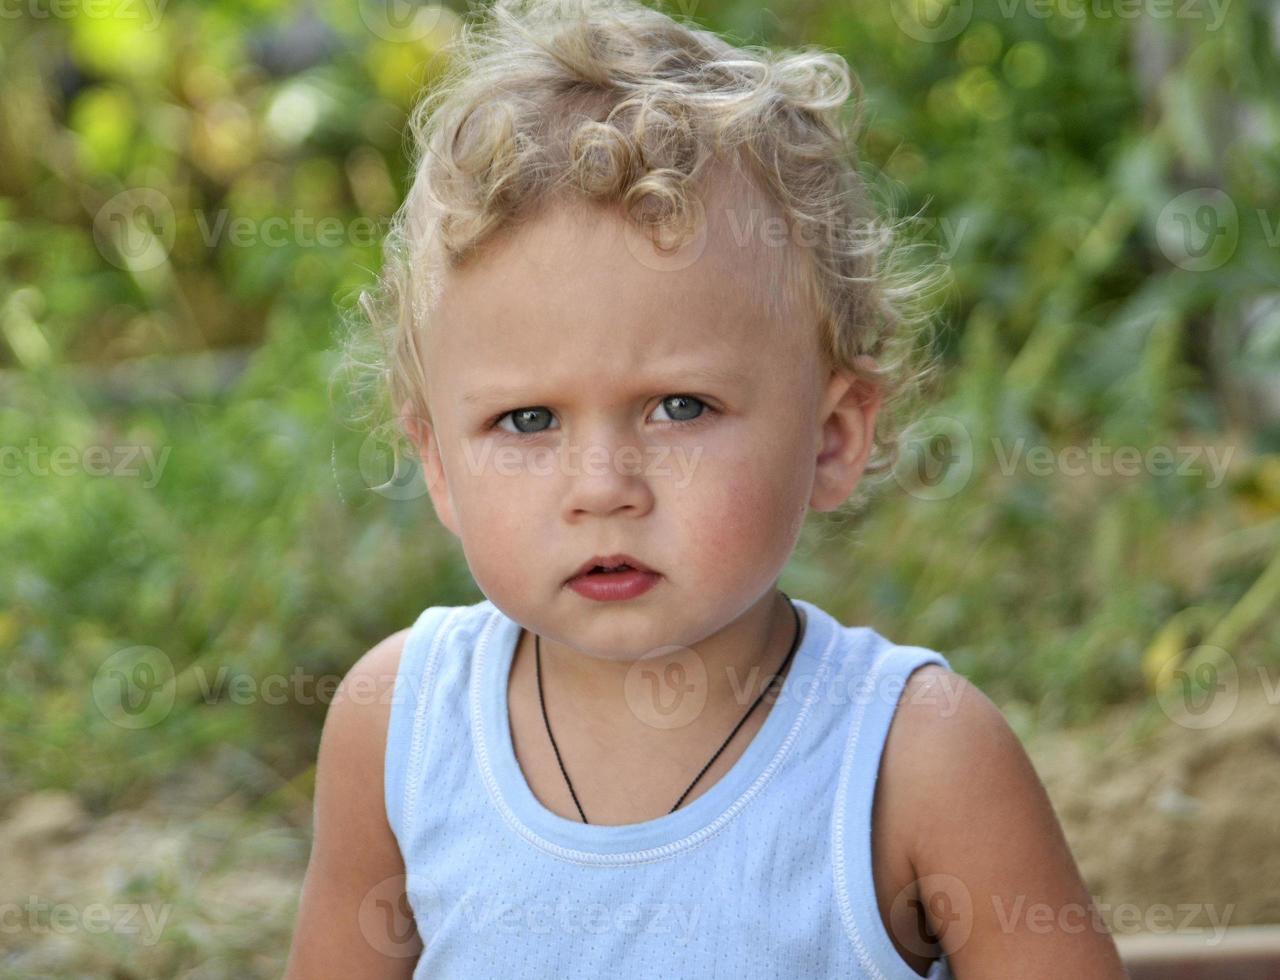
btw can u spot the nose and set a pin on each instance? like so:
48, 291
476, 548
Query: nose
605, 476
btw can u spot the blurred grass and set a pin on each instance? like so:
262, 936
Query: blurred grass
1037, 147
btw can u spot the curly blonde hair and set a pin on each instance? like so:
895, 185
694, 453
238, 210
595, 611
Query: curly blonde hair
614, 103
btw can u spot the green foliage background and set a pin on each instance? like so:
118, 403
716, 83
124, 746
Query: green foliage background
1042, 154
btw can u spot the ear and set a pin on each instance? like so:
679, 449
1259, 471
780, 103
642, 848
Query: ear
846, 433
422, 435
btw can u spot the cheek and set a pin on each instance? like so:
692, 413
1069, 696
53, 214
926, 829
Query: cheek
492, 511
759, 500
743, 518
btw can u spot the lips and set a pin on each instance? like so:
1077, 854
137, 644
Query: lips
610, 563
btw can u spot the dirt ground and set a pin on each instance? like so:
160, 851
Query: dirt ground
193, 886
1177, 829
1180, 817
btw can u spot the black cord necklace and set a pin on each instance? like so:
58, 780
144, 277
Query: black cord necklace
537, 646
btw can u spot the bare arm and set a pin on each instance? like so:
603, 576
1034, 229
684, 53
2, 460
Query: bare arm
353, 923
997, 880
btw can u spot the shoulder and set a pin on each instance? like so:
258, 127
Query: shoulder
350, 769
377, 667
936, 701
365, 688
388, 678
367, 691
354, 854
983, 839
949, 748
355, 730
379, 664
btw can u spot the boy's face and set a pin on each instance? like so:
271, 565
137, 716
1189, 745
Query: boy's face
586, 336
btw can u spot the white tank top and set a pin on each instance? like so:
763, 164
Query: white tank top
766, 874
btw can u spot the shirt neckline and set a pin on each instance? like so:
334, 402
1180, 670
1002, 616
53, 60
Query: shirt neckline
649, 839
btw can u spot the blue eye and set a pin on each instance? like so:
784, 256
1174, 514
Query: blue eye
680, 405
530, 417
681, 409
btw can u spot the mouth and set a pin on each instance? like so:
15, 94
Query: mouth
610, 564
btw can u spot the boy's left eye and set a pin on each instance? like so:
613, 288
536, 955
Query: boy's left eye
683, 404
679, 408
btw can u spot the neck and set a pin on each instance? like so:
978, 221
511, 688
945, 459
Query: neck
675, 696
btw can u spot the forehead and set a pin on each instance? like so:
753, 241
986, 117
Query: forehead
579, 291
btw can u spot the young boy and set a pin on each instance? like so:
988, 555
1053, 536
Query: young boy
627, 393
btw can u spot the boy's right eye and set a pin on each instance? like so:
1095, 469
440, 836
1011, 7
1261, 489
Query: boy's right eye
526, 420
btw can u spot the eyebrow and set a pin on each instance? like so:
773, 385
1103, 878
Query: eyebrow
712, 375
